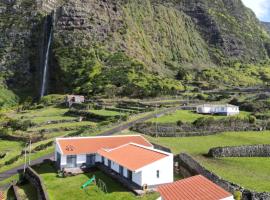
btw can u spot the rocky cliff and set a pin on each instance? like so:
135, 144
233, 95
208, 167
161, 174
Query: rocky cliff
162, 35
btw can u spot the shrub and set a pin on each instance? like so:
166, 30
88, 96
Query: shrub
16, 124
237, 195
252, 119
52, 99
179, 123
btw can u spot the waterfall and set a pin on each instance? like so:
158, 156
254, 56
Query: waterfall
47, 55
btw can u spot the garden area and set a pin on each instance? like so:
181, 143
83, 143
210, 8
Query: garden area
69, 187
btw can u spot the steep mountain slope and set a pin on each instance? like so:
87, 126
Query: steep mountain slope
158, 36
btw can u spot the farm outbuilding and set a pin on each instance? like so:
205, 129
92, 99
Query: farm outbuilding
226, 109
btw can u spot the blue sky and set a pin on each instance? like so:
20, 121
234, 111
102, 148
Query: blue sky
260, 7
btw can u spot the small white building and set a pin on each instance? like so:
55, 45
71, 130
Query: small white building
70, 99
193, 188
131, 156
226, 109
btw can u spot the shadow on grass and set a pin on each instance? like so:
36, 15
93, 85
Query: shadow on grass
110, 184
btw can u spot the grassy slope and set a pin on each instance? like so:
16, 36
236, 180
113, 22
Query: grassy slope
69, 188
186, 116
252, 173
11, 148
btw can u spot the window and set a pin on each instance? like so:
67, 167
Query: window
157, 173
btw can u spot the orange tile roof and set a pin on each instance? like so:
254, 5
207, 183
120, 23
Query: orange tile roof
86, 145
132, 156
193, 188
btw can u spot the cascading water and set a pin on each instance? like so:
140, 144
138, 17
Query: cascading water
46, 60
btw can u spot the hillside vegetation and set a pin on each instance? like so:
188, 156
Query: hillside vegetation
109, 47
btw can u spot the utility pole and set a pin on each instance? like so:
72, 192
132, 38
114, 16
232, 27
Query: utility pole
30, 146
25, 158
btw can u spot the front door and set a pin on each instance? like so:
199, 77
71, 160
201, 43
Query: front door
90, 159
130, 175
121, 170
58, 160
71, 161
109, 163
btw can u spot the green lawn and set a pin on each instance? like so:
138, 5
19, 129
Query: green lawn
64, 125
252, 173
69, 188
11, 148
106, 113
186, 116
43, 115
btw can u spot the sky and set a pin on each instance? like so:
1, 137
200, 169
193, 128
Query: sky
260, 7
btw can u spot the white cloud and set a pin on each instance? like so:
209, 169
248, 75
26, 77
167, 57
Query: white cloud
260, 7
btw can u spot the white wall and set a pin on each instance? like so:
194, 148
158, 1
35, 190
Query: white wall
98, 158
115, 166
228, 198
165, 167
137, 178
81, 159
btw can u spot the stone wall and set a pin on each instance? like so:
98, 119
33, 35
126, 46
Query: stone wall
191, 167
162, 148
241, 151
37, 182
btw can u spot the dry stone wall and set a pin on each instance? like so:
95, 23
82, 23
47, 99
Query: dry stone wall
241, 151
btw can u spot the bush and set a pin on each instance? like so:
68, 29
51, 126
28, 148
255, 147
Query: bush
16, 124
52, 99
252, 119
179, 123
237, 195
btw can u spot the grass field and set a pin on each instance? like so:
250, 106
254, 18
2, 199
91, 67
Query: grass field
69, 188
186, 116
64, 125
106, 113
11, 148
252, 173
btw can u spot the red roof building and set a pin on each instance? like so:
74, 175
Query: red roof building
193, 188
131, 156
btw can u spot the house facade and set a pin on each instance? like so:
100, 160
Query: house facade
218, 109
132, 157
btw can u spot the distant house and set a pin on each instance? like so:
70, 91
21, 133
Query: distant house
130, 156
226, 109
70, 99
193, 188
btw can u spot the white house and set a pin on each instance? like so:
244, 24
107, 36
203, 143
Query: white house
218, 109
196, 187
131, 156
70, 99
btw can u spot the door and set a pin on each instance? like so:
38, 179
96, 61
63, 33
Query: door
109, 163
71, 161
58, 160
90, 159
102, 160
121, 170
130, 175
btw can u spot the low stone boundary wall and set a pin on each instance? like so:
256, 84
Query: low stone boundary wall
241, 151
189, 167
37, 182
162, 148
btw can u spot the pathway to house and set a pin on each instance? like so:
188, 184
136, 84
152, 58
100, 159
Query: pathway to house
112, 131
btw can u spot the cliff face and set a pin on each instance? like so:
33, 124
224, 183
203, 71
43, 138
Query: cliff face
163, 35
